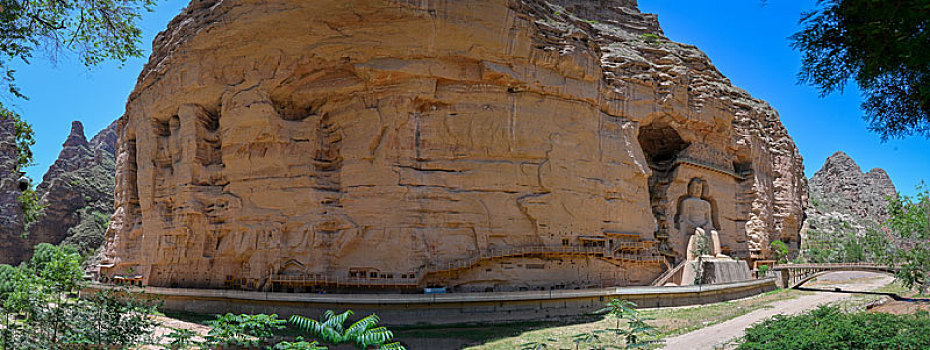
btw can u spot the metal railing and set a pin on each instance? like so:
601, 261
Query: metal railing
317, 279
498, 253
829, 266
543, 250
797, 274
644, 245
645, 256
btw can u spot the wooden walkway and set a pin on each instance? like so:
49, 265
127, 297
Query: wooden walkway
632, 253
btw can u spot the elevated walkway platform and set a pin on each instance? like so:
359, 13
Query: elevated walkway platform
452, 308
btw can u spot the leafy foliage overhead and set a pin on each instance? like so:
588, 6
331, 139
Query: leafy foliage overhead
24, 140
883, 45
96, 30
24, 137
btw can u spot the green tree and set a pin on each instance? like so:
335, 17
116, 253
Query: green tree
780, 249
38, 311
24, 138
853, 249
7, 277
60, 265
365, 333
109, 319
883, 45
904, 239
95, 31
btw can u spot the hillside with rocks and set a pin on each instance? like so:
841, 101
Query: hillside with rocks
845, 201
77, 191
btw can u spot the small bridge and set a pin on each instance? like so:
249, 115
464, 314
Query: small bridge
795, 275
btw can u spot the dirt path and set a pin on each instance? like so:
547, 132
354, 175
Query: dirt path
719, 335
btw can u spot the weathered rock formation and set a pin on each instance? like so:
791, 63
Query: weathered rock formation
11, 211
845, 201
77, 191
478, 145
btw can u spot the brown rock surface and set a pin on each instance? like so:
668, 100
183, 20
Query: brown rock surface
12, 247
845, 201
840, 185
478, 145
77, 191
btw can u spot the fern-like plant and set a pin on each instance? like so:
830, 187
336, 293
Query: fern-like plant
637, 333
365, 333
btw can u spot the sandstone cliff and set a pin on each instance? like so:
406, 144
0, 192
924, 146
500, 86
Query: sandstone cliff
478, 145
844, 201
77, 191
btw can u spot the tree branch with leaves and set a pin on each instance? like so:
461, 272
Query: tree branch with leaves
904, 239
94, 30
884, 46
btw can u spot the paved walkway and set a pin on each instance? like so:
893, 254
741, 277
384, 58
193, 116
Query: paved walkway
717, 336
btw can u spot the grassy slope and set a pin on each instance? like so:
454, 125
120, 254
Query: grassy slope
669, 321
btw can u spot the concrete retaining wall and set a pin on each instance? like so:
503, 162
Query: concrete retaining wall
453, 308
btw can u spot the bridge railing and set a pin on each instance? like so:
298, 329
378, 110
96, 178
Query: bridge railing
794, 275
829, 266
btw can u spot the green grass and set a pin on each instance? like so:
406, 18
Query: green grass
558, 334
474, 334
668, 321
675, 321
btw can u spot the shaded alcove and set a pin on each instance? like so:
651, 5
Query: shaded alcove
661, 144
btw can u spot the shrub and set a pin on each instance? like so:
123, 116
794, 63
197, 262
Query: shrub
243, 330
37, 312
829, 328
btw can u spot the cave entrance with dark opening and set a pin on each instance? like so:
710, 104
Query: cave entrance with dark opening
661, 145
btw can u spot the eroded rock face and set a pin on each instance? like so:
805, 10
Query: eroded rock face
477, 145
844, 200
78, 191
12, 248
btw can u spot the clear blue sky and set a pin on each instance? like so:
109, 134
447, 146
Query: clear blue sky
745, 40
748, 43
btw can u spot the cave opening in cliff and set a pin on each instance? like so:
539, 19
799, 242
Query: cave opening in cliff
661, 144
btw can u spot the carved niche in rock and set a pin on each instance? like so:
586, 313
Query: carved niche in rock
339, 136
695, 222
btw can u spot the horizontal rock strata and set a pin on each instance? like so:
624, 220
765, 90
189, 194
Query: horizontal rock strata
473, 145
